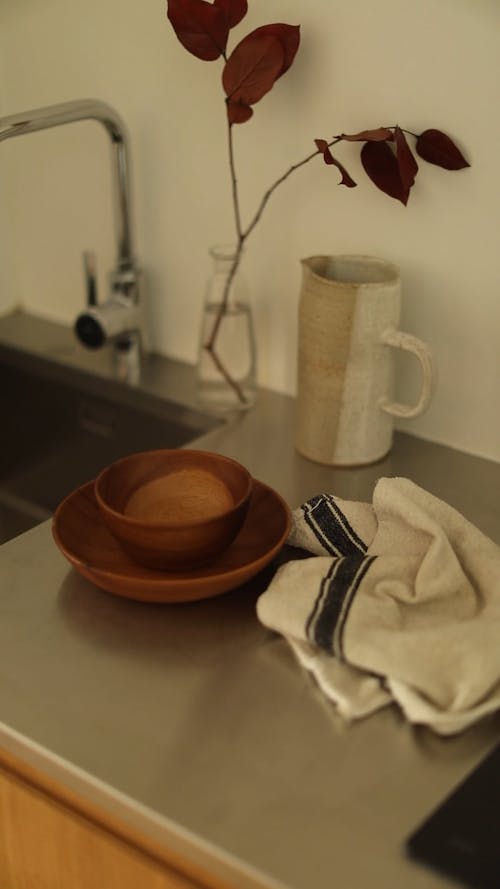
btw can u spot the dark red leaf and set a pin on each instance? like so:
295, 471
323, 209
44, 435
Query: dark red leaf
255, 64
252, 68
322, 145
437, 148
238, 112
381, 165
408, 167
201, 27
329, 159
288, 36
382, 134
235, 10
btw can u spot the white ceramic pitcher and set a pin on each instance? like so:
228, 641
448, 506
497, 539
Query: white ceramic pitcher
348, 329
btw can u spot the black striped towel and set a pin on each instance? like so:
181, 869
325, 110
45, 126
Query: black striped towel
399, 601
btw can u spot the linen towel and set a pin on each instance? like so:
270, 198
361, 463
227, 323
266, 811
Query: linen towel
399, 601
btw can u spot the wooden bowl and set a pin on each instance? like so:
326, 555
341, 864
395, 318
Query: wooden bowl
173, 509
86, 542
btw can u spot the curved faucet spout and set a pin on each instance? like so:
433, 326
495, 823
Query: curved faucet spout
85, 109
120, 319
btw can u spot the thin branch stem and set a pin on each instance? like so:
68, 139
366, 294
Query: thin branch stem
225, 373
234, 181
242, 235
278, 182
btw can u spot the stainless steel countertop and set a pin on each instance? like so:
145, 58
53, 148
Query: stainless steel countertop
197, 724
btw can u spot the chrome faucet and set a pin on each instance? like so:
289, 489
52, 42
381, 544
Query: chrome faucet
120, 318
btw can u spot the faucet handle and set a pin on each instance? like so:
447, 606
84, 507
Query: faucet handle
89, 267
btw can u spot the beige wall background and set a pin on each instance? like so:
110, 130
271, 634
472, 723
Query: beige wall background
434, 63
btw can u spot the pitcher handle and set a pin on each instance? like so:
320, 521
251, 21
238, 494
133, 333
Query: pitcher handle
399, 340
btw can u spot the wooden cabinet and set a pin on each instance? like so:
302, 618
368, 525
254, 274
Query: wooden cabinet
52, 839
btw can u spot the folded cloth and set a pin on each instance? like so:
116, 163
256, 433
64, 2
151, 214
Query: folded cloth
400, 601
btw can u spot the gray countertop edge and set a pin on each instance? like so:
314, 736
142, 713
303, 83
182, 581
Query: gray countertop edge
157, 828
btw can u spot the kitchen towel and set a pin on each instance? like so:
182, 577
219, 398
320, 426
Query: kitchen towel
399, 601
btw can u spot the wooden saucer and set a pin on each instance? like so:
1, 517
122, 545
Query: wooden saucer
84, 540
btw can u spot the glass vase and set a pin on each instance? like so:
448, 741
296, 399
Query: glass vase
226, 355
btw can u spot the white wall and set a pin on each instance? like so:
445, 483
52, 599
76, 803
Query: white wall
361, 64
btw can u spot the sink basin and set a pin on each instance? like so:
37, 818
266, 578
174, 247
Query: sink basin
58, 434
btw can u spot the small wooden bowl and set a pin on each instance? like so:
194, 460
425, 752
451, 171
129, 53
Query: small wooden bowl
173, 509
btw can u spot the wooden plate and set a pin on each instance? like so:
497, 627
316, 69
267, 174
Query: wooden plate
85, 541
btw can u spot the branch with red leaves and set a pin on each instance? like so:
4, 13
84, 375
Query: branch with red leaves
249, 72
